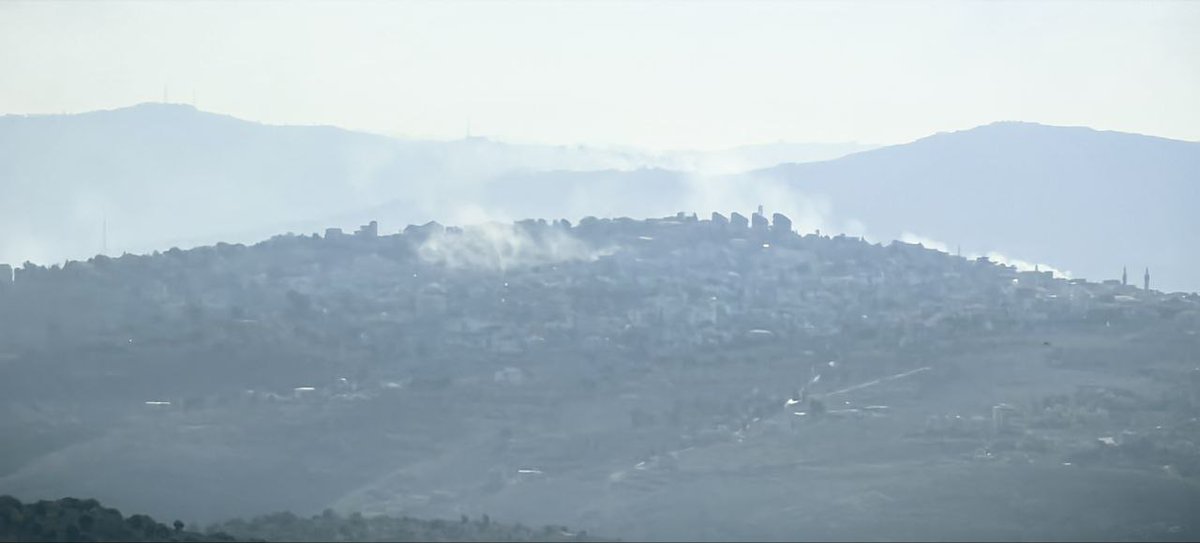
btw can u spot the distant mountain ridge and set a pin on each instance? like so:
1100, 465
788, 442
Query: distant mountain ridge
1084, 200
156, 175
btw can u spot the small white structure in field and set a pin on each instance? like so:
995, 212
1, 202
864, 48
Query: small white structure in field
759, 333
1001, 413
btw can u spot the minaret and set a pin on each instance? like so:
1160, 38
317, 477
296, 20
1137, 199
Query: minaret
1124, 276
1146, 279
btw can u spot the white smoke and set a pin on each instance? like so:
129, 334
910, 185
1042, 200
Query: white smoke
1023, 265
1020, 265
909, 237
497, 246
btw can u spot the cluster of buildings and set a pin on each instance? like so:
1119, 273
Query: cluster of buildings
655, 286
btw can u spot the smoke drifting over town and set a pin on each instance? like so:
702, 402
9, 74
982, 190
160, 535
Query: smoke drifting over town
207, 178
501, 247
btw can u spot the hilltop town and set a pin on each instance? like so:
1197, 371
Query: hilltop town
540, 370
656, 286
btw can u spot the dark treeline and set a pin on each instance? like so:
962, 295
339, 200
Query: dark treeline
71, 519
330, 526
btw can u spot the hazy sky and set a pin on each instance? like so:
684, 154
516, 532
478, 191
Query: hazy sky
700, 74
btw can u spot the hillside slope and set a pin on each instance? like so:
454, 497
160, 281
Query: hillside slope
663, 379
1081, 200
